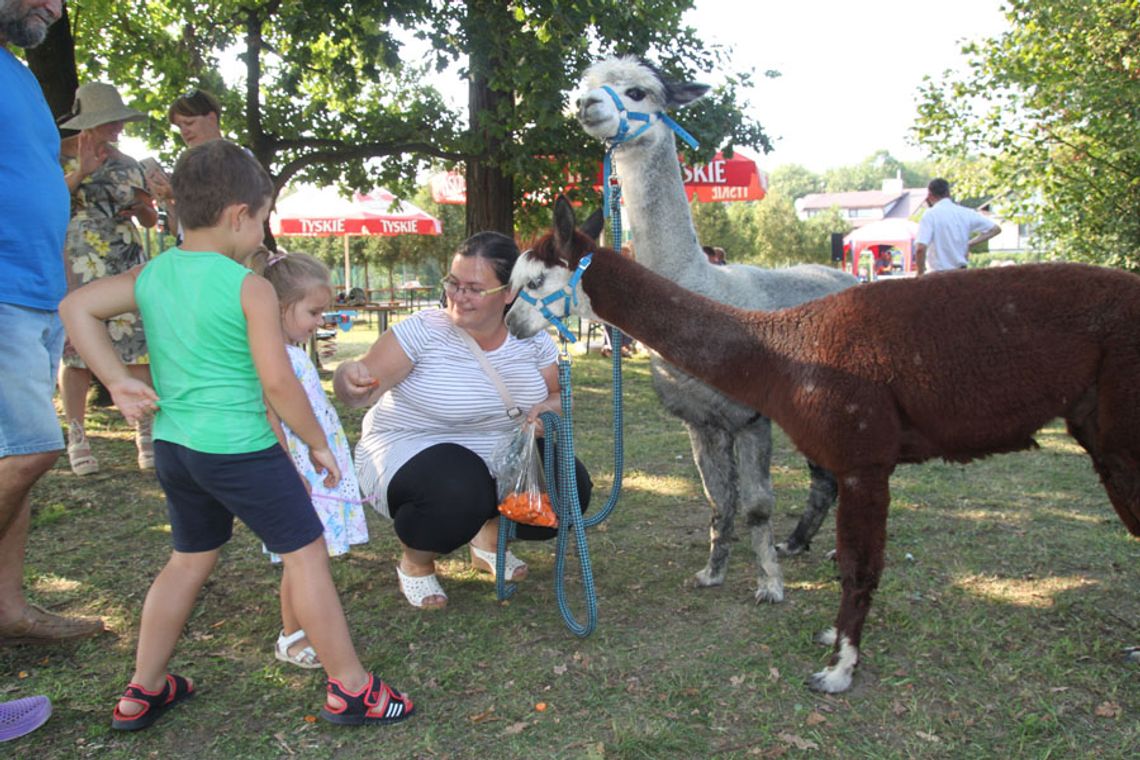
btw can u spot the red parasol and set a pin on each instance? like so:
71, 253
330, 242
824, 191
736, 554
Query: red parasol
720, 180
322, 212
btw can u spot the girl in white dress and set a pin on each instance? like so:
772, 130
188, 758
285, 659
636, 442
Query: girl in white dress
304, 291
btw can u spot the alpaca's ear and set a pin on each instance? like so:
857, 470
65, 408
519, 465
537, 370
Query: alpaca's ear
593, 225
564, 222
684, 93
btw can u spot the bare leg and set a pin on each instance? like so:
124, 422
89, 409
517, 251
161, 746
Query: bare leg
289, 622
314, 598
167, 607
17, 476
74, 383
144, 439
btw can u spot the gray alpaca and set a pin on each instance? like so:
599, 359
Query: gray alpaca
732, 444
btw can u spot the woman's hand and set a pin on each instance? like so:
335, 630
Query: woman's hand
159, 185
93, 152
354, 384
550, 404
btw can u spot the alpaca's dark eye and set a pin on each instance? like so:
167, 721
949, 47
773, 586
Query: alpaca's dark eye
536, 283
635, 93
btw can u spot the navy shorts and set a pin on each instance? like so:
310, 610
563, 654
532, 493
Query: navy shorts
205, 492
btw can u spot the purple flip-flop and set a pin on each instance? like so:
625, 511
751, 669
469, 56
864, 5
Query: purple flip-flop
23, 716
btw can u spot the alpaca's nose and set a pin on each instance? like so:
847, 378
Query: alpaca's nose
588, 101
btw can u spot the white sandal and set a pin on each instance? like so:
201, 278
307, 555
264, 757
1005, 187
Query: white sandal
481, 559
306, 658
418, 588
79, 450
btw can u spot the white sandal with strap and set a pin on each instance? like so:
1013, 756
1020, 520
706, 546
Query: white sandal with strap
418, 588
481, 559
306, 658
79, 450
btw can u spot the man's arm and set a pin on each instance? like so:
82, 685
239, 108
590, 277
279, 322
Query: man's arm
920, 257
993, 230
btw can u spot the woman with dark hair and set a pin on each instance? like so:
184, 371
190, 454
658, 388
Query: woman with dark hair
195, 115
423, 459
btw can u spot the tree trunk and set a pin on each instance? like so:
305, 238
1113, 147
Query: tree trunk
53, 63
490, 192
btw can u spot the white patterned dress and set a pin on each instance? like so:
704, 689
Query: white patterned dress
339, 508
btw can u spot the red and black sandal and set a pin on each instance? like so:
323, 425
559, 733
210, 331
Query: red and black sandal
154, 703
376, 704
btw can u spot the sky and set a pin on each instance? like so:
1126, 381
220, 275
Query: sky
850, 68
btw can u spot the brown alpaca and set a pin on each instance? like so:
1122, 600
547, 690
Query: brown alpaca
960, 365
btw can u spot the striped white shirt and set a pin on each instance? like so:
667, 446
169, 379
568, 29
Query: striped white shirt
447, 398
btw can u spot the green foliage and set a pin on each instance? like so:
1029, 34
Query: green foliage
794, 181
334, 94
727, 225
780, 237
870, 173
1052, 108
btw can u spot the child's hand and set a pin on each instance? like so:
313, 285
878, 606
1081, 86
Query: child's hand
325, 461
134, 398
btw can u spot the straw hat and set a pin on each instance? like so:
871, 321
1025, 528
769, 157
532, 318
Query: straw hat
97, 103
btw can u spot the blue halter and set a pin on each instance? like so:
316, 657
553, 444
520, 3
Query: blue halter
568, 292
623, 134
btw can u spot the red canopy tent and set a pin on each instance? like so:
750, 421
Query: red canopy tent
720, 180
322, 212
879, 237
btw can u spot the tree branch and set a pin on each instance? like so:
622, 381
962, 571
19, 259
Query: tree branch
329, 151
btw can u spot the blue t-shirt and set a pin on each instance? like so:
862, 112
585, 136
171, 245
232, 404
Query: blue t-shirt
34, 201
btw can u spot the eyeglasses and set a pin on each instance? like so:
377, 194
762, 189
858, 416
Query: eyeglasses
451, 287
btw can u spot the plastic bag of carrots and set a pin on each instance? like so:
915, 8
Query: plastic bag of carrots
522, 491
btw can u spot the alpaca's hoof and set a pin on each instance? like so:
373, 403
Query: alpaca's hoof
829, 682
1132, 654
790, 548
706, 578
836, 677
827, 637
770, 591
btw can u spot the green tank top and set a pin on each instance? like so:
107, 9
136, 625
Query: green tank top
210, 398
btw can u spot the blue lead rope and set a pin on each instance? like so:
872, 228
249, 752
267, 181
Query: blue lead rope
562, 485
561, 478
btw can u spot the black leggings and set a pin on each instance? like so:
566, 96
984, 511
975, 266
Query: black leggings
442, 497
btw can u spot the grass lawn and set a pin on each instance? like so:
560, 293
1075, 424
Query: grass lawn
1010, 590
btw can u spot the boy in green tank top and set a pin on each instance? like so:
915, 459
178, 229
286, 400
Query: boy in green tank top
220, 370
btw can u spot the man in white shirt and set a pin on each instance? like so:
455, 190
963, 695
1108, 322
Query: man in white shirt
948, 231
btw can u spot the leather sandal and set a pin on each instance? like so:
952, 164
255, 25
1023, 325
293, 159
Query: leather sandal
376, 704
418, 588
306, 658
154, 703
38, 626
79, 451
515, 568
